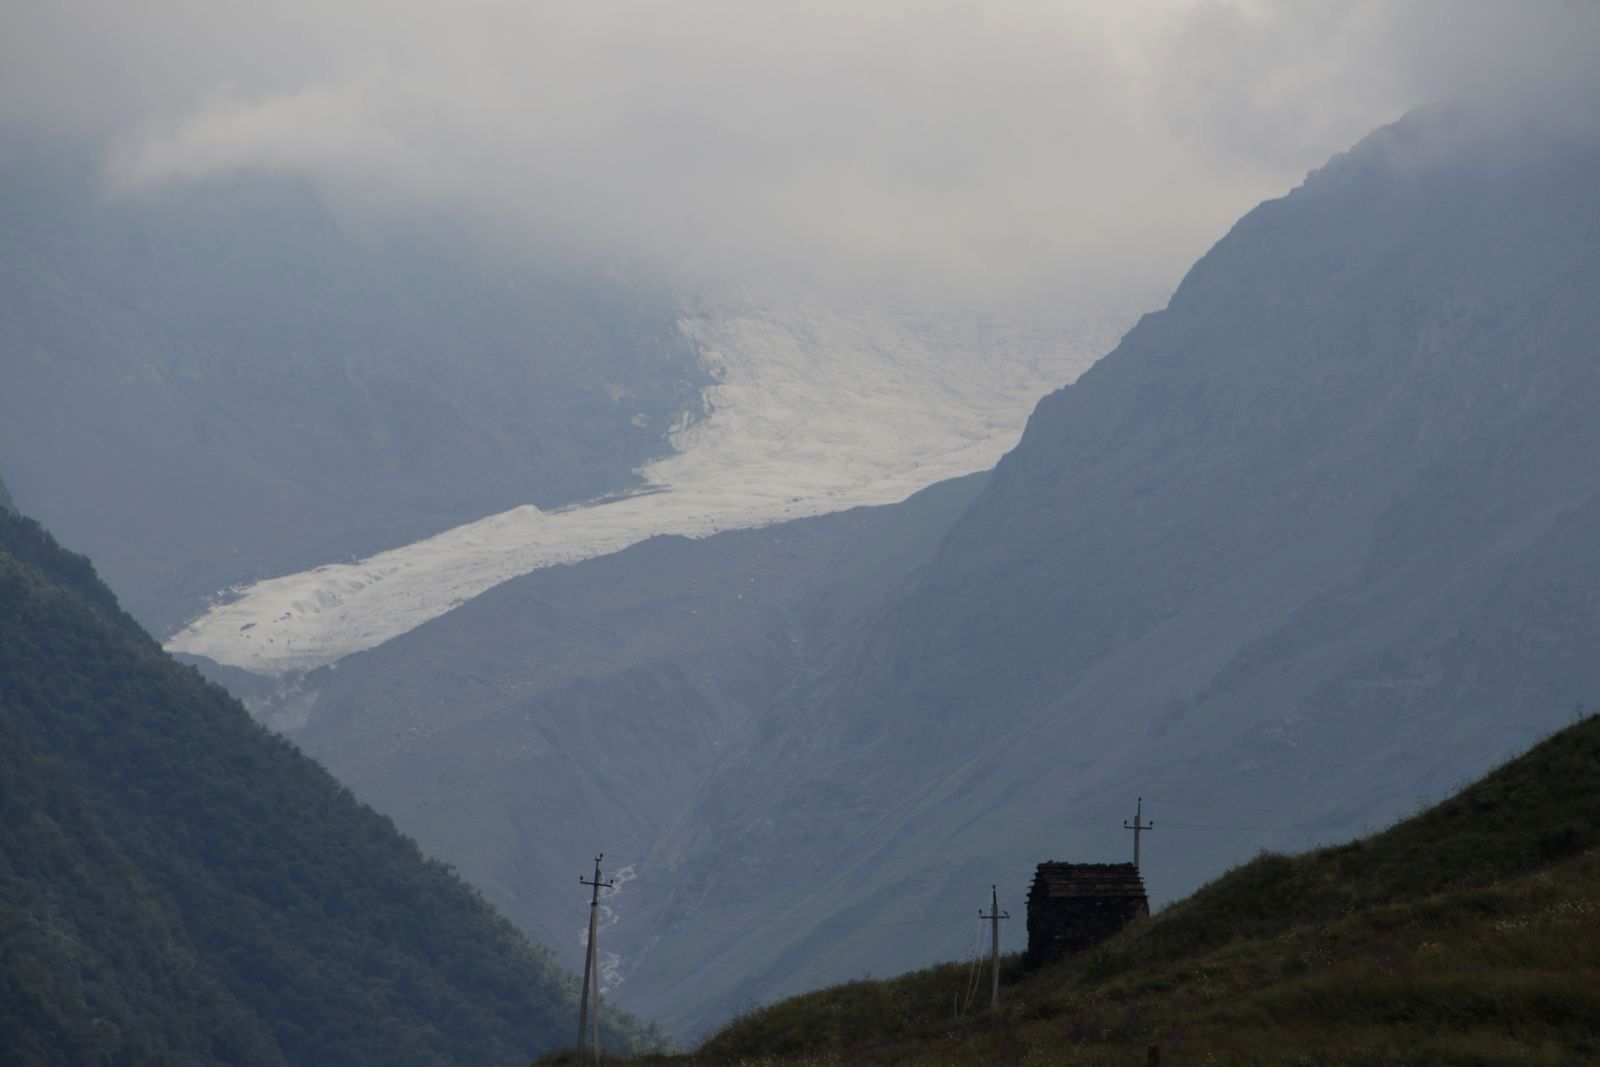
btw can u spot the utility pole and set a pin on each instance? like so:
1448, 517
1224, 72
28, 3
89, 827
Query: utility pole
994, 917
591, 976
1138, 827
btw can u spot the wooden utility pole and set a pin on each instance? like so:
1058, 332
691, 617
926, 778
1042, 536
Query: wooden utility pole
1138, 827
591, 975
994, 917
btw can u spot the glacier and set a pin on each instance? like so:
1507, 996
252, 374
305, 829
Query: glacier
818, 405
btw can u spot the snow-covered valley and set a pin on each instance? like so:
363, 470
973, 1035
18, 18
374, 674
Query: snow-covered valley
818, 407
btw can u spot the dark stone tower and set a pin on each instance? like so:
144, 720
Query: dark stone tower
1074, 906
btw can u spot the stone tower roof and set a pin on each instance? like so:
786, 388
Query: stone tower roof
1087, 880
1074, 906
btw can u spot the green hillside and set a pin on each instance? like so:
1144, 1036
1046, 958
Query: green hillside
1468, 934
96, 967
177, 885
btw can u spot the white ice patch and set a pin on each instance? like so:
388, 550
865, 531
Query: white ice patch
818, 407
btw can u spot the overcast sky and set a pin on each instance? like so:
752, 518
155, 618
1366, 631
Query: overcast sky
1072, 150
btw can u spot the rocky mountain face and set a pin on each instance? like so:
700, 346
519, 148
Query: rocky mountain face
1316, 541
178, 885
228, 380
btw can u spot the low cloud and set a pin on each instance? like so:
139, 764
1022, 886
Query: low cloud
1071, 151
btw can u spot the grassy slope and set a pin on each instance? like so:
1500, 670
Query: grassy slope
1468, 934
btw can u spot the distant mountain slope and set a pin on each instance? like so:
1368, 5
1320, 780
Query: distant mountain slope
584, 707
227, 380
1315, 541
267, 914
1391, 368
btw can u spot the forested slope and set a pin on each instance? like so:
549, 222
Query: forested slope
97, 965
259, 911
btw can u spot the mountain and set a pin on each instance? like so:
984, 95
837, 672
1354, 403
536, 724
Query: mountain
584, 707
1314, 542
179, 885
1456, 936
5, 498
240, 377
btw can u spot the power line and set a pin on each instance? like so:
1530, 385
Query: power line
1220, 826
1206, 804
726, 902
927, 921
972, 980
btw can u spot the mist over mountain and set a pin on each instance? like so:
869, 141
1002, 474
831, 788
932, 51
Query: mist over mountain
209, 385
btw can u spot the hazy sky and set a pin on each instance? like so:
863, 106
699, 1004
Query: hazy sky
1083, 148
